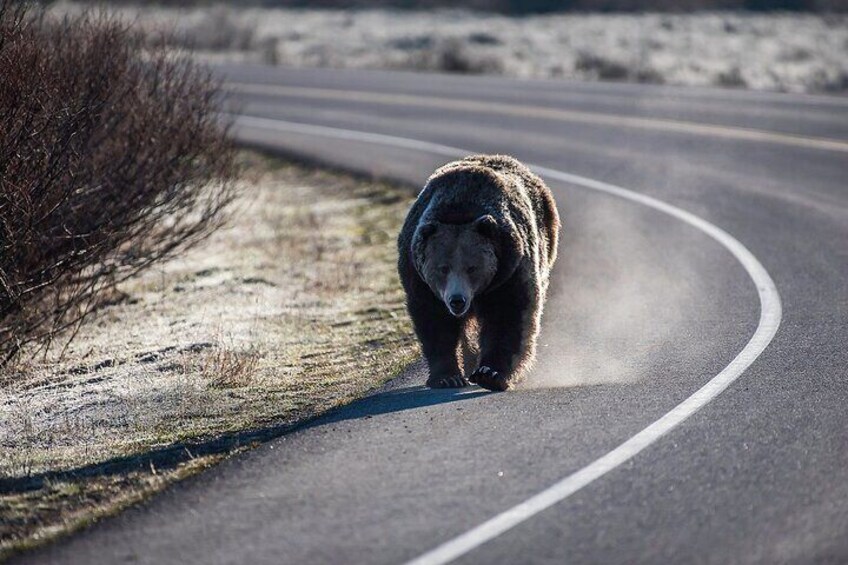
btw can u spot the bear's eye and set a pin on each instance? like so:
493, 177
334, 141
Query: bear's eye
444, 269
471, 270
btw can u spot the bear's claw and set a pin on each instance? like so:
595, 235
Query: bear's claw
454, 381
489, 379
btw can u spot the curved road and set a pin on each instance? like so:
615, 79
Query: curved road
648, 305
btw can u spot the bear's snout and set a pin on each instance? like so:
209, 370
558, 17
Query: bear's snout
457, 304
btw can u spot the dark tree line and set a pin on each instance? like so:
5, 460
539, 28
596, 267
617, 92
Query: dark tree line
522, 7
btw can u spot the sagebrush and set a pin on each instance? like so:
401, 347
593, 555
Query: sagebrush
112, 156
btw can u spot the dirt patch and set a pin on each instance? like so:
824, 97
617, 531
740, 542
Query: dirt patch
293, 309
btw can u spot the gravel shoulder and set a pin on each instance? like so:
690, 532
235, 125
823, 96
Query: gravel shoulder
291, 310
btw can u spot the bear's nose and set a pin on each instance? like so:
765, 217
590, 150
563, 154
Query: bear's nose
456, 302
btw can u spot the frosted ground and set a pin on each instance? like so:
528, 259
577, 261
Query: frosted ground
784, 52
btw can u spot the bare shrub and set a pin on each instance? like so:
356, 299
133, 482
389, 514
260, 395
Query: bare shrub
112, 157
452, 55
601, 67
731, 78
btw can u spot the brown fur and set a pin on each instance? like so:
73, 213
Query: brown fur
485, 230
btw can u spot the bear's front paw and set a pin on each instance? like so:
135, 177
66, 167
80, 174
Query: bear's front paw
489, 379
450, 381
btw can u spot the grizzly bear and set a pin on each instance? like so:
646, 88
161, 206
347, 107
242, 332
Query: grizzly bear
475, 254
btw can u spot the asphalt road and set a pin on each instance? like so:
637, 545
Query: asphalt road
645, 308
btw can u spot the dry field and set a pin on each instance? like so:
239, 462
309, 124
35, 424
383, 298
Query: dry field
291, 310
783, 52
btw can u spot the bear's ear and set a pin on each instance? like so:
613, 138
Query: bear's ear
486, 225
426, 230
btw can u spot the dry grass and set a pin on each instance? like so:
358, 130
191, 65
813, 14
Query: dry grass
226, 368
292, 310
64, 506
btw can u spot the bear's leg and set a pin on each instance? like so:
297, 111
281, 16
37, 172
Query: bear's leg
439, 334
509, 323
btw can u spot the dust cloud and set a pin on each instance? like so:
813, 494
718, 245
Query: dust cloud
622, 298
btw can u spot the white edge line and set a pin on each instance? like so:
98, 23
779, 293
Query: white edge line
770, 317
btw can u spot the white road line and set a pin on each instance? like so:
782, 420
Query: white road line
770, 316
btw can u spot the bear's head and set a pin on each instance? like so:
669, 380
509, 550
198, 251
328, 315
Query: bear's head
457, 261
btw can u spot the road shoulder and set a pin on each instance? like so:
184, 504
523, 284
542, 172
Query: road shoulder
291, 310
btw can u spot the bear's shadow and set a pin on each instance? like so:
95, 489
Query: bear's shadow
398, 400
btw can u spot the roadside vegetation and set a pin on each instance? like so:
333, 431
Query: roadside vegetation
292, 309
165, 300
781, 51
112, 158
